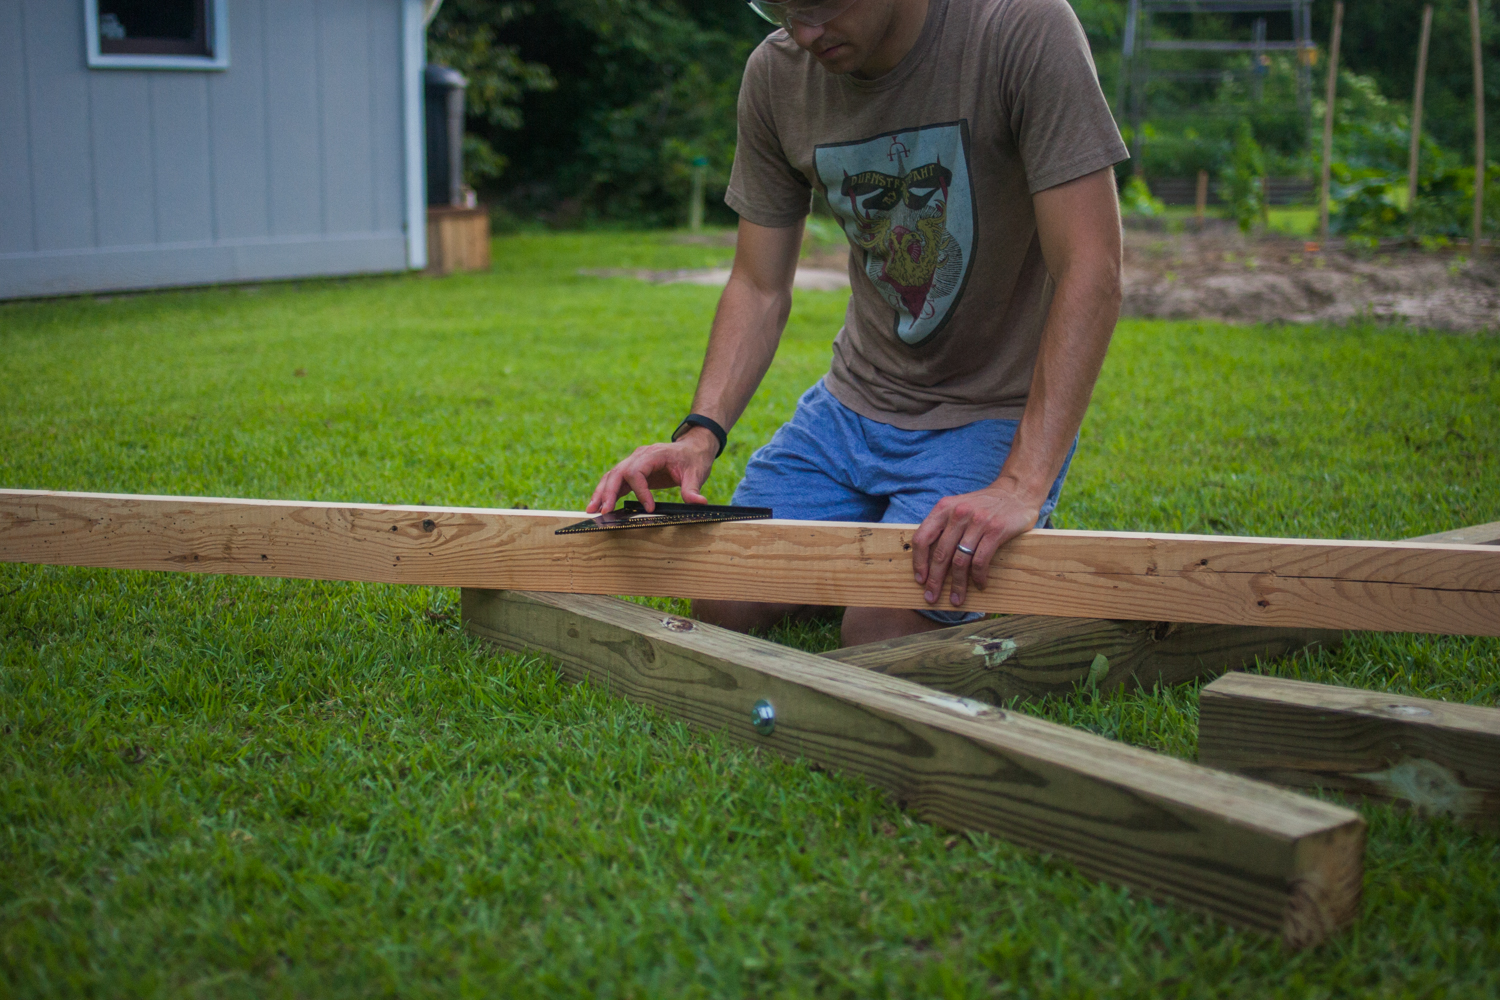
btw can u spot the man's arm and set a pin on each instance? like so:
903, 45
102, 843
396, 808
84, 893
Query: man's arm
1079, 227
747, 327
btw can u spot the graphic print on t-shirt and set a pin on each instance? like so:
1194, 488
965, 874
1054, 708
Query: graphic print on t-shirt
905, 200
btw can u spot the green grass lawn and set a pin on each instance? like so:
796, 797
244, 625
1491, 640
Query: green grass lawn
226, 787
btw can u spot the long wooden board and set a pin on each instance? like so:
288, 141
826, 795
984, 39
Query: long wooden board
1381, 586
1433, 755
1244, 851
1032, 656
1478, 534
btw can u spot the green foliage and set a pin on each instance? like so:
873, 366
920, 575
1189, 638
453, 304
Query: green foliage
1372, 136
1380, 41
1240, 184
1136, 199
239, 787
642, 88
463, 37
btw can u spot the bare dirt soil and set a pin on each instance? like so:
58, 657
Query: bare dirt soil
1221, 274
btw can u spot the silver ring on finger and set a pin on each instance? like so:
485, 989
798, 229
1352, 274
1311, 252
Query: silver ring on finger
965, 549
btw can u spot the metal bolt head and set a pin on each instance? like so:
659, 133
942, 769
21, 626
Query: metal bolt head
763, 717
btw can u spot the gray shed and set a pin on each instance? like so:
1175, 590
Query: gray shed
148, 143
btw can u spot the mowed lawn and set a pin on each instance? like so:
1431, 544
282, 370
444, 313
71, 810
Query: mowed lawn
233, 787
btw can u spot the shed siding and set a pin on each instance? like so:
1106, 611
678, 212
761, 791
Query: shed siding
290, 163
15, 144
62, 149
125, 192
237, 119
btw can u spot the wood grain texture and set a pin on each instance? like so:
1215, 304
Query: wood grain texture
1380, 586
1240, 850
1478, 534
1435, 756
1033, 656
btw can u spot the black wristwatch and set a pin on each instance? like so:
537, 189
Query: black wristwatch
699, 420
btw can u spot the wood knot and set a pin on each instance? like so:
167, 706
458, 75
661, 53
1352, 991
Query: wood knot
428, 524
673, 624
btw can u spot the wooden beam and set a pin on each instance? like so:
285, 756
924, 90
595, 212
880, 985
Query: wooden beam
1479, 534
1240, 850
1380, 586
1032, 656
1433, 755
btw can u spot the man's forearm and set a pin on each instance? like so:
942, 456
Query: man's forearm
746, 330
1075, 338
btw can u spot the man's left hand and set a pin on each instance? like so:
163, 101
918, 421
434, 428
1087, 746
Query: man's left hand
980, 522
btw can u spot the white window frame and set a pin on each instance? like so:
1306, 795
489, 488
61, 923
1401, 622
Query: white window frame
217, 12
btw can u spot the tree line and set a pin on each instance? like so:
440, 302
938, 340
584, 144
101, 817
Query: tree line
593, 111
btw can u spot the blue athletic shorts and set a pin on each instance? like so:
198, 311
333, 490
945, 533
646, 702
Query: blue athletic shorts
828, 463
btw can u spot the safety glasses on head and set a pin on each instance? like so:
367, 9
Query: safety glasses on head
810, 12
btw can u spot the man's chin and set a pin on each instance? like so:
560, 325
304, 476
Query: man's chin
840, 60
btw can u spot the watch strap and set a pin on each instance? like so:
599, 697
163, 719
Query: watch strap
712, 426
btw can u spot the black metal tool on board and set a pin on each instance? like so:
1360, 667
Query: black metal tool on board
632, 514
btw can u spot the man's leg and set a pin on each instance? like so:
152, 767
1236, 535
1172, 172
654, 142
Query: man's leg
804, 473
742, 616
917, 469
862, 625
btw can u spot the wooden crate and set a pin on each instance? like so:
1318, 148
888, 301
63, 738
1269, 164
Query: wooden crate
458, 239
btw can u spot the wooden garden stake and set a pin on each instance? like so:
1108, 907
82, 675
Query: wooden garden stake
1200, 206
1478, 127
1416, 120
1332, 91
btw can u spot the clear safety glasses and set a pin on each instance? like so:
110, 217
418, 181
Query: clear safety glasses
809, 12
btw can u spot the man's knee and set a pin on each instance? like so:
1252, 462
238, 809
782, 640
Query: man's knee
862, 625
742, 616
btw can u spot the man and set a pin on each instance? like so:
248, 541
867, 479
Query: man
967, 149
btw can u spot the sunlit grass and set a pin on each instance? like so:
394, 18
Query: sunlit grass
234, 787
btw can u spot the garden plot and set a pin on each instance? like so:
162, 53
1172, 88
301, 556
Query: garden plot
1222, 275
1226, 276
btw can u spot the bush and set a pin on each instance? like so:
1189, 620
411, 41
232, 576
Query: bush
1136, 199
1240, 184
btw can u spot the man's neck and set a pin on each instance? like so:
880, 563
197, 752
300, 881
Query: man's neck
907, 20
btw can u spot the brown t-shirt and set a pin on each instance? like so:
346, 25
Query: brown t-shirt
931, 168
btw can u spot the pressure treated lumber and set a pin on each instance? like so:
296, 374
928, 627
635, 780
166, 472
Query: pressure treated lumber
1381, 586
1244, 851
1032, 656
1479, 534
1435, 756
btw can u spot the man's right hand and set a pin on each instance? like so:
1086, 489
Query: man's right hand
685, 462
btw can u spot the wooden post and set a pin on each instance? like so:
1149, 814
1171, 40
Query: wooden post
1265, 201
1251, 854
1034, 656
695, 206
1330, 93
1478, 128
1434, 756
1477, 534
1416, 121
1200, 203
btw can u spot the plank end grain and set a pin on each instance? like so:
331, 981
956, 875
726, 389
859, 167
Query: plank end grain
1327, 891
1432, 756
1239, 850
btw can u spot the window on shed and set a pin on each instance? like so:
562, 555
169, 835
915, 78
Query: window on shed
154, 27
157, 34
